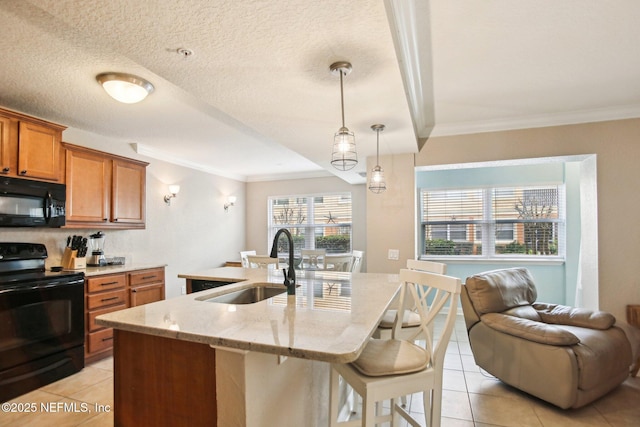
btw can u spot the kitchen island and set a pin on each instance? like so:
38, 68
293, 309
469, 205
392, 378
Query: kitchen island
188, 360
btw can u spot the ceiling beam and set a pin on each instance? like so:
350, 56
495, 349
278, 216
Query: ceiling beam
410, 21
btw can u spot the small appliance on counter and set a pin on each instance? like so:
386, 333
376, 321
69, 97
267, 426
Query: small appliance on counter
96, 241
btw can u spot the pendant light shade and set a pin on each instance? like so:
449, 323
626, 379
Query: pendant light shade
125, 88
344, 155
377, 183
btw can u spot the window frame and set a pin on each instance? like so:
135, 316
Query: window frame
488, 225
309, 229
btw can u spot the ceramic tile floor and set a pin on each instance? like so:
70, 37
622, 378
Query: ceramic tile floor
471, 398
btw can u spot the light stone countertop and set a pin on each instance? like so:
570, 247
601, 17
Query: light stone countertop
115, 269
330, 319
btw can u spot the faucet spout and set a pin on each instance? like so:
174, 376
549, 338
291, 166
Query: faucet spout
290, 275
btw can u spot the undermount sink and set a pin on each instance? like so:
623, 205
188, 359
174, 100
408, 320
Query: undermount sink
248, 295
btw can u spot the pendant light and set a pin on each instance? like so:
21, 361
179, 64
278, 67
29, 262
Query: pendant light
377, 184
344, 156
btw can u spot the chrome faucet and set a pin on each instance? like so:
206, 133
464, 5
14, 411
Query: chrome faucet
289, 276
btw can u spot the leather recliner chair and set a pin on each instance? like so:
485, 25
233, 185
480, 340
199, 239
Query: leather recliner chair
566, 356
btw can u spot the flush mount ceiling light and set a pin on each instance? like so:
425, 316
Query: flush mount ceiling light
344, 156
377, 183
125, 88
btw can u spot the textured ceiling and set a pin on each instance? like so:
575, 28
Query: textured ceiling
256, 99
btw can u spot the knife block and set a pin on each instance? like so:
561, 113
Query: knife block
70, 261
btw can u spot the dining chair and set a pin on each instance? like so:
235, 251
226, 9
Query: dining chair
338, 262
388, 369
314, 259
411, 317
243, 257
356, 264
262, 261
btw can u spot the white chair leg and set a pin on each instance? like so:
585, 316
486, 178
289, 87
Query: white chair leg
334, 394
436, 406
395, 419
368, 412
428, 409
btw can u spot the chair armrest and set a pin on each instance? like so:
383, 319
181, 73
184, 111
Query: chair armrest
564, 315
529, 329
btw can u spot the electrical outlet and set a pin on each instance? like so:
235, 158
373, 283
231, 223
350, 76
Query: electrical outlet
394, 254
183, 289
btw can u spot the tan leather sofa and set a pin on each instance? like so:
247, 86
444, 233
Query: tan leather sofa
566, 356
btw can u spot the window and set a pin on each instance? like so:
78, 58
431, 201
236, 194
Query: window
493, 222
315, 221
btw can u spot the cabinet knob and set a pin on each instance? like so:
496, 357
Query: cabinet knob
6, 170
24, 172
115, 219
104, 219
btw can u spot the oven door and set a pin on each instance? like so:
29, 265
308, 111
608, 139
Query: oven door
40, 319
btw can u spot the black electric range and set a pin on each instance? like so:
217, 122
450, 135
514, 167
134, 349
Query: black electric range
41, 320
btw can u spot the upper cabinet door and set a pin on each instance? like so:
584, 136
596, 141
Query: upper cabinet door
39, 152
30, 147
7, 161
88, 186
128, 192
104, 190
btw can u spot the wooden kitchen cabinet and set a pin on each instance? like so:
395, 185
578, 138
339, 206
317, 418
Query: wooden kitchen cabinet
104, 190
128, 193
103, 294
30, 148
146, 286
111, 292
6, 150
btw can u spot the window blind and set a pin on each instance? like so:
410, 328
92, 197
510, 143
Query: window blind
514, 221
316, 221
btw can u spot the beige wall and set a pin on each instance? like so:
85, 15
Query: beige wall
391, 215
256, 207
617, 148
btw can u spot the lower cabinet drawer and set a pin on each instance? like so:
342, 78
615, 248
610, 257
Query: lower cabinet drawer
100, 340
105, 283
104, 299
91, 316
146, 276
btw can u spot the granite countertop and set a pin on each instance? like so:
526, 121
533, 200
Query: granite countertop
330, 318
114, 269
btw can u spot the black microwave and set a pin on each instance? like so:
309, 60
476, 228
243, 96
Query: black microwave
27, 203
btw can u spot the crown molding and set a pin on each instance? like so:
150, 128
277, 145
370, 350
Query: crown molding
537, 121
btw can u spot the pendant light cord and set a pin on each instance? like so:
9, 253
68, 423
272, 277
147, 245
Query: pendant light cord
377, 147
341, 98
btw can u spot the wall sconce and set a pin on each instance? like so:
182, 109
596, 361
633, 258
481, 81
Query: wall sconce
231, 201
174, 190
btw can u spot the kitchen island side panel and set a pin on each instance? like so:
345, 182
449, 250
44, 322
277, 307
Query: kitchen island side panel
163, 382
265, 390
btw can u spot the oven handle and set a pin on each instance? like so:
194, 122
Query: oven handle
54, 284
